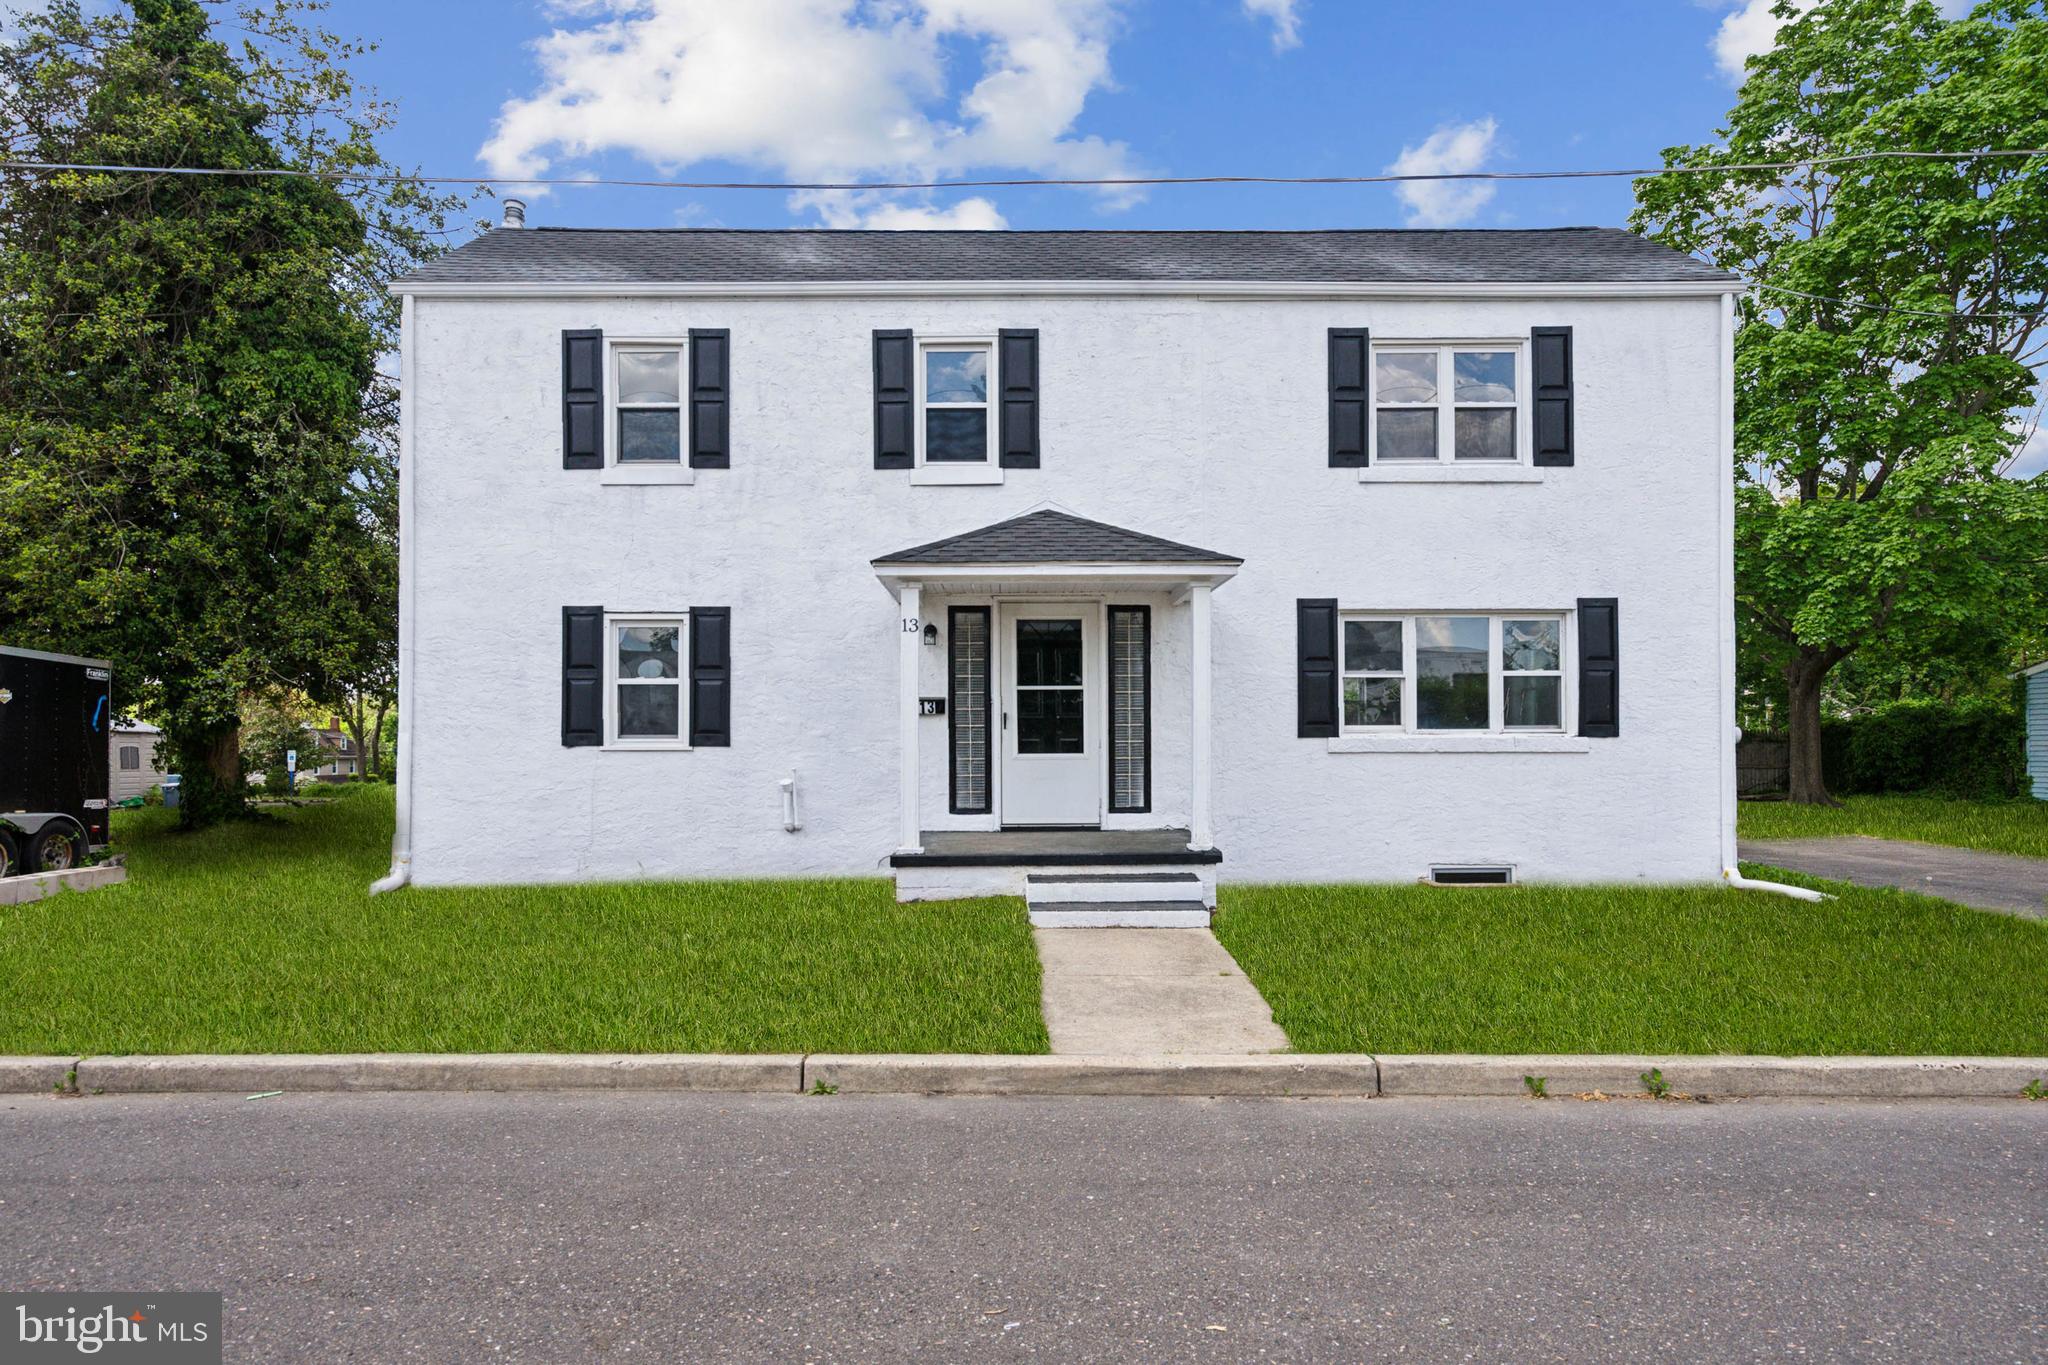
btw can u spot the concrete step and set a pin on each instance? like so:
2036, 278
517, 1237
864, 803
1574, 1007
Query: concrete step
1152, 914
1052, 888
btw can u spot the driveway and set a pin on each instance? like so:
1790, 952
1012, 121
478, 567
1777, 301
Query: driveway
566, 1227
1989, 881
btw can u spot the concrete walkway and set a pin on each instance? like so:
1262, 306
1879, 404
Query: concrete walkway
1988, 881
1159, 991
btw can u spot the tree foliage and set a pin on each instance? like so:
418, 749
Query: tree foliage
198, 442
1884, 360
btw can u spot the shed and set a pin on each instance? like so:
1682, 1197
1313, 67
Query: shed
2036, 682
131, 759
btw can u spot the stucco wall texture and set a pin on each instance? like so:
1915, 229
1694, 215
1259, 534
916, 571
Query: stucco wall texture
1201, 420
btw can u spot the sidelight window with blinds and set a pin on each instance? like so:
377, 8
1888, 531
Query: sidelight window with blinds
1130, 709
967, 709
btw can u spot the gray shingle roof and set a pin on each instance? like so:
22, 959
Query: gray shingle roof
1049, 537
1380, 255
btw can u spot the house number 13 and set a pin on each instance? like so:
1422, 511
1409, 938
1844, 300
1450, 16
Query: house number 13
910, 625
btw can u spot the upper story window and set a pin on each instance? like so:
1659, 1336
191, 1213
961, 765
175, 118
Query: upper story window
953, 407
647, 402
1499, 674
644, 702
1449, 403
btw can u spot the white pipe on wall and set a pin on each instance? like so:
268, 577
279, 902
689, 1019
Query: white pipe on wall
401, 835
791, 821
1798, 893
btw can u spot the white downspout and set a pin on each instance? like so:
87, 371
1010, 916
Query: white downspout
1731, 873
401, 836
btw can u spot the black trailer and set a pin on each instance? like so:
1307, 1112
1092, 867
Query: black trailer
54, 714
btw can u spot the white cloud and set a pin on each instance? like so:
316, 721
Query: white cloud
820, 90
1752, 28
837, 209
1452, 147
1286, 23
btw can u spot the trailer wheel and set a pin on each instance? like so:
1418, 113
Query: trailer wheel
54, 849
10, 861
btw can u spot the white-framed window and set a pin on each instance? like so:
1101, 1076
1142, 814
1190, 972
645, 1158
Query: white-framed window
645, 384
955, 421
1434, 673
646, 705
1449, 402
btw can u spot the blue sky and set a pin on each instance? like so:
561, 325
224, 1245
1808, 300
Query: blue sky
778, 88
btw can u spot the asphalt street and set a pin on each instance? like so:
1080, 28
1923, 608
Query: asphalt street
572, 1227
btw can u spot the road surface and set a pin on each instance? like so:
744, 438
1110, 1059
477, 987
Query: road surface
566, 1227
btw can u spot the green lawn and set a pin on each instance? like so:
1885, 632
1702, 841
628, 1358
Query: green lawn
259, 937
1624, 969
2019, 826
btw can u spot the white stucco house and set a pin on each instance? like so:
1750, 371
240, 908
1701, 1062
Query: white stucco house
1098, 565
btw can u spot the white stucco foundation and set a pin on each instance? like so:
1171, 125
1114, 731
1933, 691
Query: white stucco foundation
1198, 419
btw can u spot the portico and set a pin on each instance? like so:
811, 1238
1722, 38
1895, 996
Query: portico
1053, 647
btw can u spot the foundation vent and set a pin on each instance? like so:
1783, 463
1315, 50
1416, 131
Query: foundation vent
1468, 874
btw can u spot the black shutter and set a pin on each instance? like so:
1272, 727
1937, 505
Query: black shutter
894, 406
711, 676
1315, 620
582, 676
710, 399
1350, 396
1599, 668
1017, 354
583, 400
1551, 364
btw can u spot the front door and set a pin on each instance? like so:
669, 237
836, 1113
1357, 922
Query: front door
1050, 772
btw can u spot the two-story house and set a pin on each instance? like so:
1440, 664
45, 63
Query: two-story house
1093, 564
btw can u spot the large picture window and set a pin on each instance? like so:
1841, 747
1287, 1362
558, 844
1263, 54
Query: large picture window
644, 704
1453, 672
1447, 403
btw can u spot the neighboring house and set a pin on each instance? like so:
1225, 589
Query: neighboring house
132, 760
1274, 556
343, 762
2036, 679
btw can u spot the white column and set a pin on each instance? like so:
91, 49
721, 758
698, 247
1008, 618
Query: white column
1200, 834
909, 640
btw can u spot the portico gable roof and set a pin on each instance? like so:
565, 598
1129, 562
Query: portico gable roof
1048, 538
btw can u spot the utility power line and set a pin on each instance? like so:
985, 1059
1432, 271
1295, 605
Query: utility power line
1019, 182
1106, 182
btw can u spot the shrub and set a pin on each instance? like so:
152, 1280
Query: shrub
1973, 748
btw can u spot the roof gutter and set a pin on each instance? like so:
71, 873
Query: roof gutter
1203, 289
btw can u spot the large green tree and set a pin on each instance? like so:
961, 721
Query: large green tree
195, 431
1883, 361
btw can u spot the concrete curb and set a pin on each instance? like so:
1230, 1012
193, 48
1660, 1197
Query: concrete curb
31, 1075
939, 1074
452, 1071
1758, 1077
1270, 1075
34, 886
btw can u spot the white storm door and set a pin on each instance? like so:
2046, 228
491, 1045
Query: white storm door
1050, 772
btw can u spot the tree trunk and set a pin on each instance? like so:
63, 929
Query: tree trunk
1802, 722
377, 737
211, 789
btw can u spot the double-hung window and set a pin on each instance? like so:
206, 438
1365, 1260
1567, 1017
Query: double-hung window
647, 402
954, 424
644, 700
1452, 672
1448, 403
